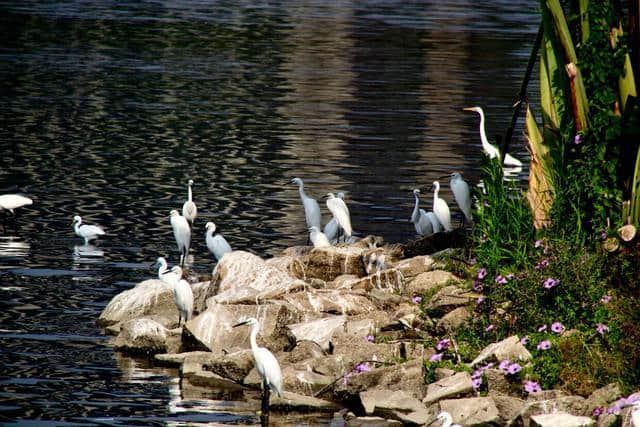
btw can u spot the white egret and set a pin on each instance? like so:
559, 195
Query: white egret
419, 217
332, 229
182, 294
446, 418
267, 366
87, 232
311, 208
635, 414
318, 238
189, 209
461, 194
437, 227
13, 201
182, 234
162, 265
340, 212
440, 208
489, 149
217, 244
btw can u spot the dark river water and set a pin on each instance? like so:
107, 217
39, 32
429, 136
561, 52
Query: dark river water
109, 107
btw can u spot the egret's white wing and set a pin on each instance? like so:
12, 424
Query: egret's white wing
341, 213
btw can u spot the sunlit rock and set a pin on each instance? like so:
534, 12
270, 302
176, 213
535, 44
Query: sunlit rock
151, 298
390, 279
509, 348
234, 366
297, 402
602, 397
398, 405
448, 298
202, 291
331, 301
456, 385
569, 404
411, 267
177, 359
454, 320
560, 419
430, 281
142, 336
473, 411
319, 331
371, 422
328, 263
508, 407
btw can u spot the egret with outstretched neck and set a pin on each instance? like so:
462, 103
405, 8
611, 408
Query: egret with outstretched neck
419, 217
267, 366
318, 238
489, 149
462, 195
311, 208
332, 229
182, 294
440, 208
182, 234
87, 232
340, 212
189, 209
217, 244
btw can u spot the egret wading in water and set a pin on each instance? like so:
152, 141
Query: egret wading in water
419, 217
182, 234
10, 202
318, 238
462, 195
332, 229
189, 209
217, 244
489, 149
340, 212
182, 294
440, 208
267, 366
311, 208
87, 232
447, 420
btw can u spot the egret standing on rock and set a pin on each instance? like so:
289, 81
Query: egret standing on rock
331, 228
217, 244
162, 265
318, 238
489, 149
311, 208
189, 209
182, 234
461, 194
87, 232
182, 294
266, 365
340, 212
440, 208
419, 217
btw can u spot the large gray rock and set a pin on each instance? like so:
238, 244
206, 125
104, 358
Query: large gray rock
331, 301
151, 298
297, 402
319, 331
509, 348
328, 263
456, 385
411, 267
508, 407
569, 404
474, 411
430, 281
454, 320
560, 419
602, 397
234, 366
390, 280
399, 405
202, 291
448, 298
142, 336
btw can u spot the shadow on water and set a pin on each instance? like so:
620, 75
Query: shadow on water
109, 108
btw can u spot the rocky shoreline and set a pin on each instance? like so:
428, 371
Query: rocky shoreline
345, 326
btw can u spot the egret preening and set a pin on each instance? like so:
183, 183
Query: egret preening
489, 149
189, 209
340, 212
267, 366
437, 227
419, 217
182, 234
311, 208
87, 232
461, 194
446, 418
13, 201
440, 208
332, 229
166, 274
162, 265
182, 294
217, 244
318, 238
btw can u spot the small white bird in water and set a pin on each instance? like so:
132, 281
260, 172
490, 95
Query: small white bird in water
446, 418
189, 209
182, 234
419, 217
318, 238
311, 208
182, 294
332, 229
461, 194
87, 232
489, 149
340, 212
217, 244
13, 201
440, 208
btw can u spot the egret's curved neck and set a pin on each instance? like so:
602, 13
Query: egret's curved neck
436, 189
483, 133
162, 267
252, 336
416, 212
301, 190
76, 227
190, 199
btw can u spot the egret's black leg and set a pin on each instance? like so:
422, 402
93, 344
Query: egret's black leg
264, 417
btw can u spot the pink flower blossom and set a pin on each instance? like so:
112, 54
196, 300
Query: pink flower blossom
513, 369
599, 410
416, 299
557, 327
476, 382
544, 345
443, 344
504, 365
524, 340
363, 367
606, 299
550, 283
532, 387
435, 357
602, 328
369, 338
538, 243
489, 328
577, 140
480, 300
482, 273
501, 280
542, 328
477, 286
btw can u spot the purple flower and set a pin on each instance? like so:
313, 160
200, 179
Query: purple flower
538, 243
513, 369
599, 410
476, 382
480, 300
602, 328
482, 273
603, 234
510, 276
504, 365
477, 286
416, 299
544, 345
557, 327
542, 328
524, 340
532, 387
345, 377
473, 260
550, 283
435, 357
501, 280
489, 328
542, 264
477, 373
443, 344
606, 299
577, 139
369, 338
363, 367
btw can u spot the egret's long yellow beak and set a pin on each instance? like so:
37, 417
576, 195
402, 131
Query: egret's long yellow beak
467, 109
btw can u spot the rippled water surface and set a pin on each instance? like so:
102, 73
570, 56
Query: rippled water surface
109, 107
